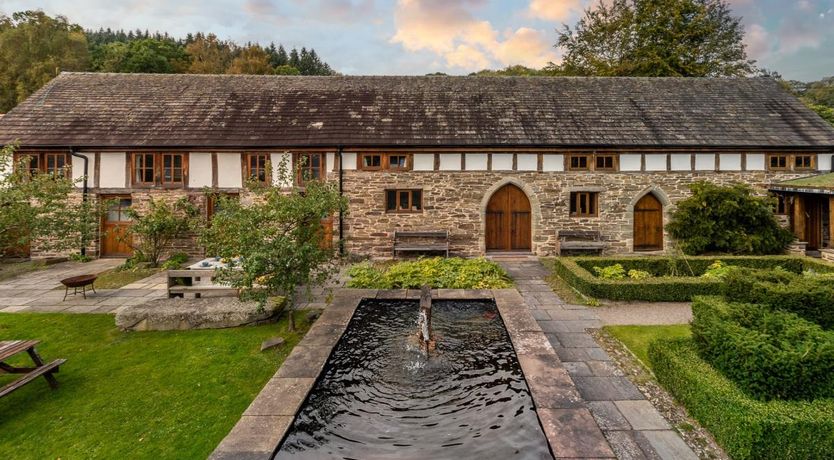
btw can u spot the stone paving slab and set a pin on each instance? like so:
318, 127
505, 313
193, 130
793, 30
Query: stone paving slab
573, 433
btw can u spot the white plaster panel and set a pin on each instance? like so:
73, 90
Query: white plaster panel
229, 174
476, 161
527, 162
78, 169
111, 170
502, 161
823, 161
199, 169
553, 162
755, 162
349, 161
730, 162
680, 161
330, 161
655, 162
423, 161
277, 160
450, 161
704, 162
630, 161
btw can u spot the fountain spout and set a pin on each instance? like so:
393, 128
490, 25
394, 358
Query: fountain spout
424, 318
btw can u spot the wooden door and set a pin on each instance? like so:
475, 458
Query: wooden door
813, 226
648, 224
114, 227
508, 220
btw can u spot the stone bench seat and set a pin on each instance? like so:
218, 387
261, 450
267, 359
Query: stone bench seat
581, 240
421, 241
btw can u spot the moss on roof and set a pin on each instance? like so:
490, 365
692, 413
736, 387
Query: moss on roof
822, 181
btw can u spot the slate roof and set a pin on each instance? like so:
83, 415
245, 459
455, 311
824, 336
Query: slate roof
124, 110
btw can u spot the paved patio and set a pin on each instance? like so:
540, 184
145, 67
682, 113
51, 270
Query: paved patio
633, 428
42, 291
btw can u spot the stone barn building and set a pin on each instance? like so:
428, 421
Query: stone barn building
502, 164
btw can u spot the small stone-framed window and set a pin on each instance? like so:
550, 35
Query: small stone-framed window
580, 162
404, 200
584, 204
801, 162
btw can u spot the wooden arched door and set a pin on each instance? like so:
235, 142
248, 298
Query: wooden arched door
648, 224
508, 220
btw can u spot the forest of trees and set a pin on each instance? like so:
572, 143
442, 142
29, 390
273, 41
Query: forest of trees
35, 47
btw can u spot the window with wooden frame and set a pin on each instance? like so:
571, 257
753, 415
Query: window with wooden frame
579, 162
165, 169
56, 163
257, 167
310, 166
584, 204
782, 205
384, 161
410, 200
801, 162
605, 163
778, 162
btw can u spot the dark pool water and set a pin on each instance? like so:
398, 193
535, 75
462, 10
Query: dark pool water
380, 397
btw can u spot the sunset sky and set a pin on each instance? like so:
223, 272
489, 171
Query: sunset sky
792, 37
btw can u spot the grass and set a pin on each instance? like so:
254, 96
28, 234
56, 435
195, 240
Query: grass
114, 279
568, 293
9, 270
637, 338
171, 394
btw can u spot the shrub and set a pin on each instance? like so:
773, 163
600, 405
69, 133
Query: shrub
728, 219
437, 272
717, 270
175, 261
769, 354
611, 272
153, 229
744, 427
809, 296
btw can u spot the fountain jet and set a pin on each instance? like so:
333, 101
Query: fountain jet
424, 331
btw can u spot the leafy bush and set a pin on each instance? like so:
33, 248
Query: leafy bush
809, 296
717, 270
769, 354
744, 427
154, 228
437, 272
727, 219
611, 272
77, 257
175, 261
639, 274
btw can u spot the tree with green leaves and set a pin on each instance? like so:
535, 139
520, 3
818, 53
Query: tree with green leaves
655, 38
153, 229
208, 54
727, 219
41, 208
145, 55
34, 48
278, 238
251, 60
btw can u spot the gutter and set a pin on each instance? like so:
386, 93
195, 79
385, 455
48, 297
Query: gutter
84, 193
341, 214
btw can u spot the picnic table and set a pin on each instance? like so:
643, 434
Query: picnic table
11, 348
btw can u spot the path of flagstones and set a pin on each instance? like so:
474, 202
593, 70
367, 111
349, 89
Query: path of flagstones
633, 427
41, 291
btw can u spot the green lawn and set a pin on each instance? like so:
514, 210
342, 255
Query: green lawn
637, 338
133, 395
114, 279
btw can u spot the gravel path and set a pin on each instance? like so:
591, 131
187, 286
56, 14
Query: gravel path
621, 313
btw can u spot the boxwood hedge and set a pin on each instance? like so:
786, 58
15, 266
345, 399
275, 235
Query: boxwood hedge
676, 279
769, 354
745, 428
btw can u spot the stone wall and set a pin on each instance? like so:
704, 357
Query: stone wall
456, 201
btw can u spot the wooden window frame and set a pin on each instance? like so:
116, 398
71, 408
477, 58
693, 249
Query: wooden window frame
783, 207
183, 168
615, 164
253, 173
773, 156
812, 162
158, 170
301, 169
385, 163
574, 203
42, 160
589, 157
592, 159
790, 161
397, 192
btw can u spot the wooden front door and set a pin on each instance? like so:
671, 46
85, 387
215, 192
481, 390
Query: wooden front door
508, 220
813, 225
648, 224
114, 226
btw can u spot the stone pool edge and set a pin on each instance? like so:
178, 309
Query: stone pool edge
558, 403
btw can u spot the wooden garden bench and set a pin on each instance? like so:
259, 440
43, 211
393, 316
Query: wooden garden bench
580, 240
421, 241
11, 348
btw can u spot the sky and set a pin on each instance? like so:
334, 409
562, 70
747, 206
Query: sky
415, 37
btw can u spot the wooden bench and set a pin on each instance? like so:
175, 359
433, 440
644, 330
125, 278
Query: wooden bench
10, 348
194, 284
421, 241
580, 241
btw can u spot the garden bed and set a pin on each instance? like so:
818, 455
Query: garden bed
436, 272
673, 279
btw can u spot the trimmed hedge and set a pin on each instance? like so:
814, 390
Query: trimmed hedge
811, 297
769, 354
745, 428
577, 271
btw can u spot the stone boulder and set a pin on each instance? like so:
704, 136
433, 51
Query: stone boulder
205, 313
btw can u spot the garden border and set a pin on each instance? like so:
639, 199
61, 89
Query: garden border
664, 289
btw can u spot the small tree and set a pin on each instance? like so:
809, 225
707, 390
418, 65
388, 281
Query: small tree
39, 207
729, 219
278, 239
152, 231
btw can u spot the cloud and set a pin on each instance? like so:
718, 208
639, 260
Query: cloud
449, 29
795, 35
555, 10
757, 40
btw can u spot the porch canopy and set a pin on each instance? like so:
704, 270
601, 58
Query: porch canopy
809, 202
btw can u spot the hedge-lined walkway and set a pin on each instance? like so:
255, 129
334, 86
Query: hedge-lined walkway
632, 426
